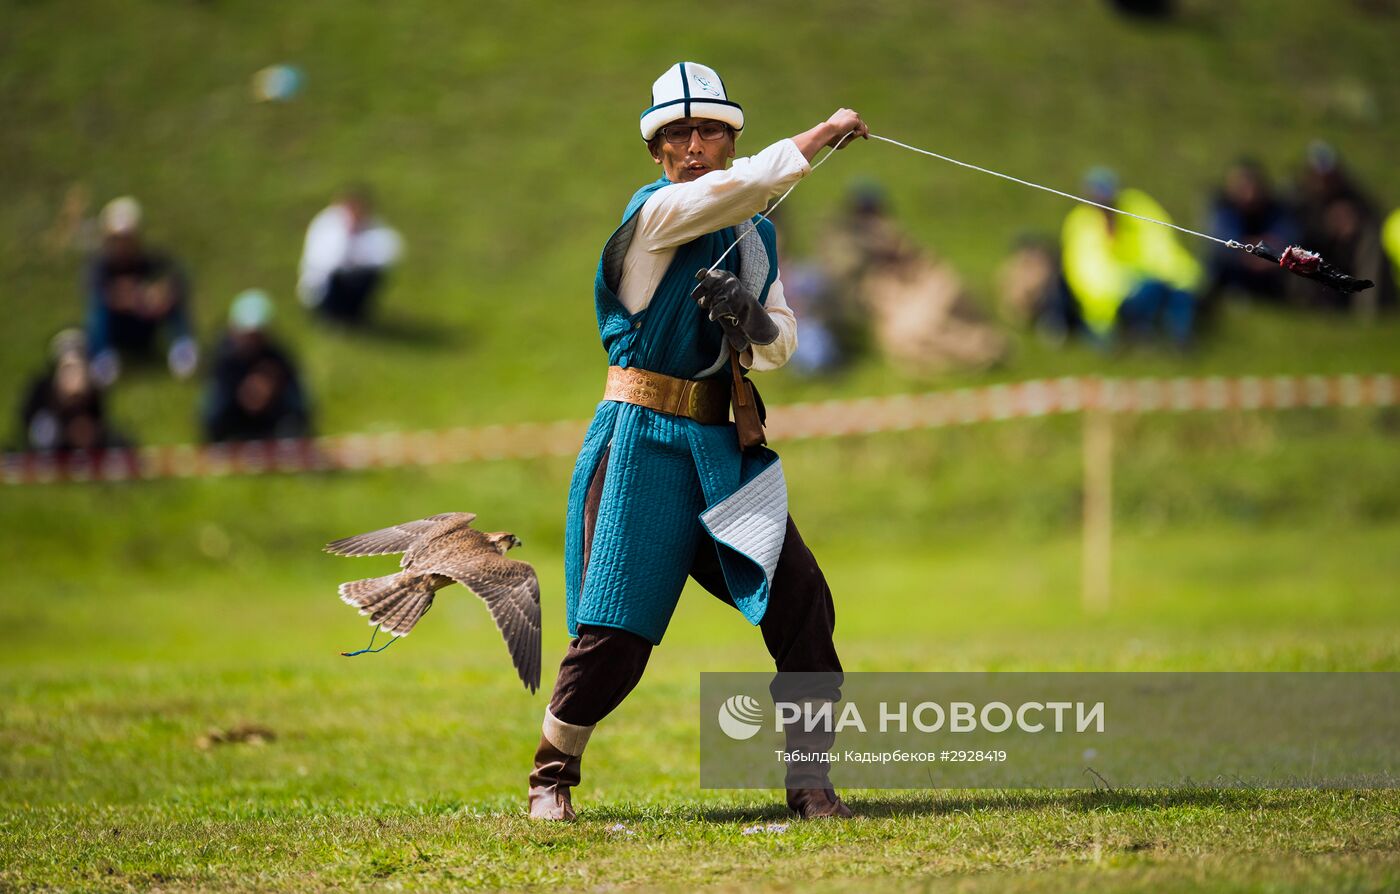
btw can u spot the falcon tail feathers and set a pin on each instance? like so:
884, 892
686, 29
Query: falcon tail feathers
394, 602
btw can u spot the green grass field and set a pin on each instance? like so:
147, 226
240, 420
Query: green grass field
140, 616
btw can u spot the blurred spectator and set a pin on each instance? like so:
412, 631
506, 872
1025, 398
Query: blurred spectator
863, 237
1390, 241
918, 309
1323, 181
254, 391
851, 245
347, 254
63, 408
135, 294
1033, 290
1340, 222
1247, 209
807, 289
1128, 276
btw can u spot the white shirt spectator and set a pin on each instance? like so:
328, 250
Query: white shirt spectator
333, 244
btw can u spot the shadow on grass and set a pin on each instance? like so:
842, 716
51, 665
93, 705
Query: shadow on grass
941, 804
401, 329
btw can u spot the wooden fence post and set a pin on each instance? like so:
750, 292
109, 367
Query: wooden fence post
1097, 562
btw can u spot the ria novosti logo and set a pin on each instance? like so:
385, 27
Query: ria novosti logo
740, 717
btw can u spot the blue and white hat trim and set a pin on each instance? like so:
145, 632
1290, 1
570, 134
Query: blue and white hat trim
690, 90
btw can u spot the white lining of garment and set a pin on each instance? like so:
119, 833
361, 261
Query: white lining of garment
753, 519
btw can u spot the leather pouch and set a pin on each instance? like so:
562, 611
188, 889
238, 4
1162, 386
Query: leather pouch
748, 415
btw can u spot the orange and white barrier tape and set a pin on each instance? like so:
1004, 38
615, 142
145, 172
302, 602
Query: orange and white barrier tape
1044, 397
902, 412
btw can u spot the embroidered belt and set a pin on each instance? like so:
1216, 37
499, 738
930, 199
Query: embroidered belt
704, 400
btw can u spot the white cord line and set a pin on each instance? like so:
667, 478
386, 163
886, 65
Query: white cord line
1230, 243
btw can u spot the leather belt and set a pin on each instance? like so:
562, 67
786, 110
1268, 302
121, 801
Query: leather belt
704, 400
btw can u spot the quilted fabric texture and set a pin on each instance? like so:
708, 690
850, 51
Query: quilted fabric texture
662, 471
753, 520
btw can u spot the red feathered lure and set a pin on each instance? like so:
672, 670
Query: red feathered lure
1300, 260
1311, 265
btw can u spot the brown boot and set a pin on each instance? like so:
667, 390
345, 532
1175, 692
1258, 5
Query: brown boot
809, 791
557, 763
554, 774
817, 803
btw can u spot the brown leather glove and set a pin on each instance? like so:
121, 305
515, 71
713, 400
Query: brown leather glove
735, 308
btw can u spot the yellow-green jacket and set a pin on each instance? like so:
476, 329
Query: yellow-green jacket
1390, 240
1103, 268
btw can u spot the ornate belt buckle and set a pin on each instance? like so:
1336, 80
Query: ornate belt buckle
685, 400
702, 402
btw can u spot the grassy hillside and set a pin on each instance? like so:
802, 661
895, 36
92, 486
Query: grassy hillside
501, 140
503, 143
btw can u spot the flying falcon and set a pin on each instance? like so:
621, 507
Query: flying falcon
438, 551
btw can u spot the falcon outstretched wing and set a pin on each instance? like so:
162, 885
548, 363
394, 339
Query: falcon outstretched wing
394, 539
511, 591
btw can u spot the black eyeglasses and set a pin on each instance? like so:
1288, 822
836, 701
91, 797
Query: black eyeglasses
709, 132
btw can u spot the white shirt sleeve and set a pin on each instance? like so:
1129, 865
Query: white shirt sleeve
680, 212
327, 243
772, 356
378, 245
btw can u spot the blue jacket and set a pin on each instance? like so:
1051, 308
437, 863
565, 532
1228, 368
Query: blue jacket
665, 472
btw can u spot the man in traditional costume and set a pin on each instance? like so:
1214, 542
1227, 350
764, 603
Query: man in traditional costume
662, 488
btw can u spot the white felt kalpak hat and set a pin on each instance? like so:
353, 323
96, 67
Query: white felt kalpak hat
689, 90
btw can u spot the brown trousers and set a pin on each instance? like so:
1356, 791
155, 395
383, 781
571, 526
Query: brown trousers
604, 664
